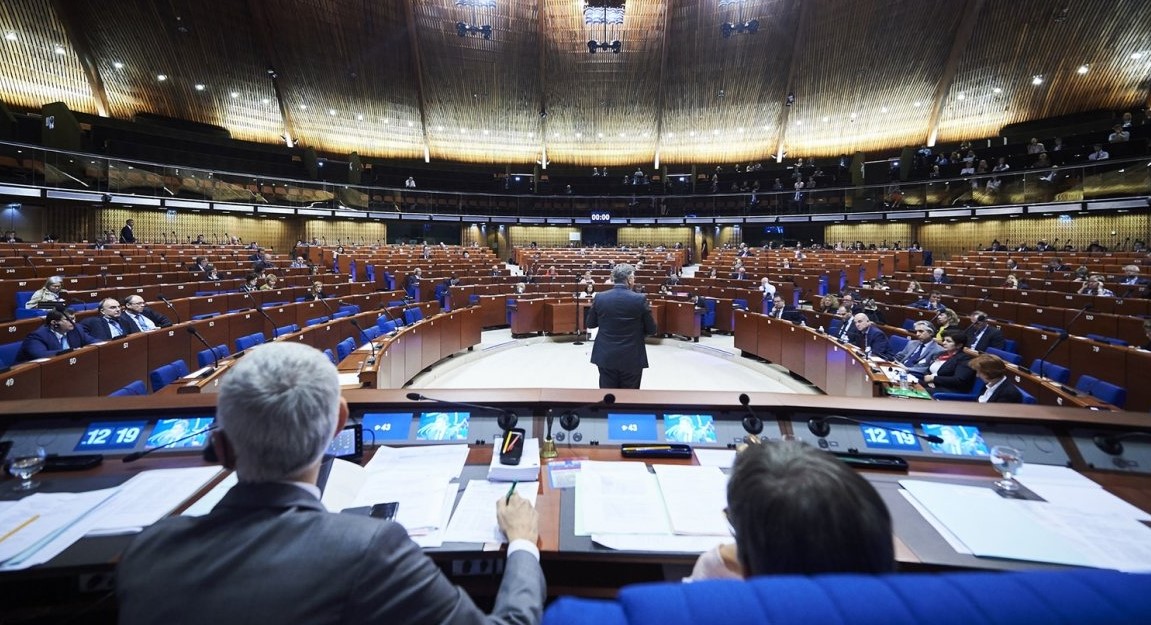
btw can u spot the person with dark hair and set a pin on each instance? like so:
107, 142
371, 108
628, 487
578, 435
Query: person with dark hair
796, 510
993, 372
949, 372
624, 319
128, 232
982, 335
920, 351
251, 283
59, 332
145, 318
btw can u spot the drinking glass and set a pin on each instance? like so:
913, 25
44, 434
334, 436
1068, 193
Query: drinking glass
1007, 461
24, 461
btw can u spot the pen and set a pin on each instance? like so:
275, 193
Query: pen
19, 527
511, 491
650, 448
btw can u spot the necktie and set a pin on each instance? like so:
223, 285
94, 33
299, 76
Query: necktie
114, 329
914, 357
64, 341
143, 322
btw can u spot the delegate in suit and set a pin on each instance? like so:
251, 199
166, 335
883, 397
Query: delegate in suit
624, 319
110, 323
981, 334
58, 333
919, 353
270, 553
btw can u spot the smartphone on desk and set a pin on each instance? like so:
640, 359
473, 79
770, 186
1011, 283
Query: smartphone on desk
385, 511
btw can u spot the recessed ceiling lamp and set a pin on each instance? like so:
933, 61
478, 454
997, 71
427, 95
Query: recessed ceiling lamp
997, 90
1037, 79
200, 87
961, 96
1083, 69
10, 36
58, 49
161, 77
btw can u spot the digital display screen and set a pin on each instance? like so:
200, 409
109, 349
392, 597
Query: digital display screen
387, 426
168, 431
689, 428
443, 426
631, 427
884, 435
344, 444
106, 436
958, 440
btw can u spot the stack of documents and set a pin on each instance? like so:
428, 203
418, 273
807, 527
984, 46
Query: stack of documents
621, 505
1079, 524
475, 518
39, 527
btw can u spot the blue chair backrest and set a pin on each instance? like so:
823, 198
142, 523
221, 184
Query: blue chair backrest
709, 312
161, 376
739, 303
1028, 398
345, 347
331, 356
288, 329
896, 343
412, 315
350, 309
134, 388
204, 356
249, 341
1115, 342
204, 316
1050, 370
8, 353
1110, 393
315, 322
386, 325
1086, 383
390, 280
396, 303
909, 325
340, 314
473, 300
1007, 356
372, 332
180, 367
1097, 337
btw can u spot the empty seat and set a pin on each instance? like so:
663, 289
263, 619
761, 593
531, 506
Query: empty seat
1086, 383
345, 348
351, 309
180, 367
162, 376
340, 314
315, 322
331, 356
372, 333
896, 343
1005, 355
135, 387
8, 353
204, 356
1051, 371
1009, 346
288, 329
412, 315
386, 325
1028, 398
1110, 393
249, 341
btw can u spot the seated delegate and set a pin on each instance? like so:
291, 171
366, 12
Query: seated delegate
796, 510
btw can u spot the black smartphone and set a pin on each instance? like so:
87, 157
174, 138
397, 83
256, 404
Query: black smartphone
512, 446
386, 511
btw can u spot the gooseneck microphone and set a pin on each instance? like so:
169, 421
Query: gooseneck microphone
569, 418
371, 344
752, 424
211, 350
256, 307
136, 455
507, 419
1113, 444
171, 307
1063, 335
821, 427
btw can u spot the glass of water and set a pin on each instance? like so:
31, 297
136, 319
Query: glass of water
24, 461
1007, 461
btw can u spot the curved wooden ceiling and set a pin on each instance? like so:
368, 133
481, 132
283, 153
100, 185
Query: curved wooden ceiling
392, 78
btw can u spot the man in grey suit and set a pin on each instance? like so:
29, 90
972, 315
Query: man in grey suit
624, 319
270, 553
919, 353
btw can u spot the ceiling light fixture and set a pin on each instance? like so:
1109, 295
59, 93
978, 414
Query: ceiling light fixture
10, 36
200, 87
1083, 69
1037, 79
727, 29
606, 12
475, 28
161, 77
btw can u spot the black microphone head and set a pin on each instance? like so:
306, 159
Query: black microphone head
933, 439
744, 400
608, 398
132, 457
819, 427
507, 420
414, 396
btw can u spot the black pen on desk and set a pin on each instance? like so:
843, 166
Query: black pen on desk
511, 491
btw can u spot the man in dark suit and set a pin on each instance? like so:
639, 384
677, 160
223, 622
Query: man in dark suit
110, 323
58, 333
938, 276
874, 341
993, 372
624, 319
128, 233
779, 310
142, 317
270, 552
919, 353
981, 334
842, 328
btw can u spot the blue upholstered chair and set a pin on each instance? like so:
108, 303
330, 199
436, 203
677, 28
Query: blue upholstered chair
1005, 355
204, 356
134, 388
345, 347
413, 314
1051, 371
288, 329
976, 391
162, 376
1028, 398
331, 356
8, 353
1110, 393
249, 341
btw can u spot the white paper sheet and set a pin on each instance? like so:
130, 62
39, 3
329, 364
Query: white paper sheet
57, 521
446, 459
421, 497
149, 497
435, 538
695, 498
658, 544
1069, 488
618, 498
722, 458
474, 520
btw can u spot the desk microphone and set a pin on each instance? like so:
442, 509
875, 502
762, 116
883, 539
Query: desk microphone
326, 306
256, 307
569, 418
136, 455
212, 350
506, 421
171, 307
1113, 444
752, 424
820, 427
1086, 307
1063, 335
371, 359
